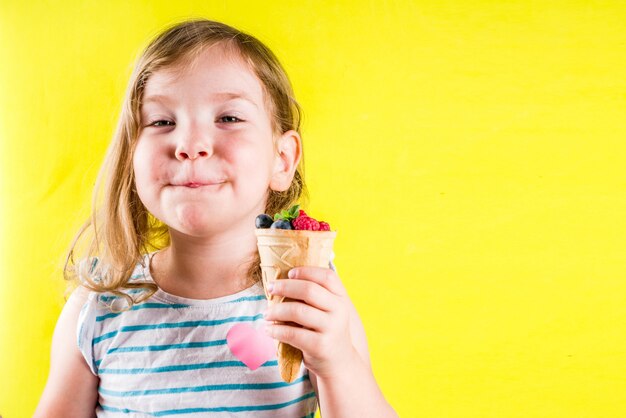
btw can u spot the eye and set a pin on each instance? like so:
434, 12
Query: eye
229, 119
157, 123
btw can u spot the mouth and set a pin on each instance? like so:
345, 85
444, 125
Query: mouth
196, 185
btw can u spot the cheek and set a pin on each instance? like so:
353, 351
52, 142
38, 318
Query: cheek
145, 159
248, 156
139, 162
143, 167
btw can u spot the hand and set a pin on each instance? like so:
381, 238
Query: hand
319, 318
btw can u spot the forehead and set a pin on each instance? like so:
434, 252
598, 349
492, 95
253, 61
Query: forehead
215, 72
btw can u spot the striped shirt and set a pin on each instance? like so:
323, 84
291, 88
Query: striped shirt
168, 356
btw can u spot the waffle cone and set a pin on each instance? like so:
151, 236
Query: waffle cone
280, 251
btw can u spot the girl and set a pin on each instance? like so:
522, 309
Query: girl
208, 139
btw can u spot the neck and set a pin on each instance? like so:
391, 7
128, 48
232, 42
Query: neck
205, 267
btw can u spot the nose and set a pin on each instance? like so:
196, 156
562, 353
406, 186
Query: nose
191, 154
194, 147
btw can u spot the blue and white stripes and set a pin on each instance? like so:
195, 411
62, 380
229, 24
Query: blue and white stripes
169, 357
231, 409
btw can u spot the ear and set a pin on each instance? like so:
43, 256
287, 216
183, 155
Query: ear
288, 153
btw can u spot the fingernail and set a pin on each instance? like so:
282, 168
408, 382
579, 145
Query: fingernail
270, 287
291, 273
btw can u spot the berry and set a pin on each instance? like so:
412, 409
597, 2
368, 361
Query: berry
263, 221
281, 224
305, 223
302, 213
324, 226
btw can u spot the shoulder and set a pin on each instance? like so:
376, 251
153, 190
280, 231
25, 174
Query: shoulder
69, 318
65, 337
70, 377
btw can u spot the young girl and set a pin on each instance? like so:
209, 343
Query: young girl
208, 139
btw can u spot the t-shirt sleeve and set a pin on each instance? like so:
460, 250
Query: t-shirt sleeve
85, 331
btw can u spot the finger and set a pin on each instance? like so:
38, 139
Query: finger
306, 291
301, 338
298, 313
323, 276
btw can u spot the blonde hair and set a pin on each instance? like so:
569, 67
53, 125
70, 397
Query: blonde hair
120, 230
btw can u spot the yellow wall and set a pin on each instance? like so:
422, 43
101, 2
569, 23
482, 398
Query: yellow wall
470, 153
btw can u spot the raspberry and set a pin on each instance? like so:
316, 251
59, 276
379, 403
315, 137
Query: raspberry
324, 226
305, 223
302, 213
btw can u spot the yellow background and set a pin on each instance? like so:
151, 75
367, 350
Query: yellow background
470, 153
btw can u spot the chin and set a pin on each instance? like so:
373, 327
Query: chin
201, 223
189, 218
194, 228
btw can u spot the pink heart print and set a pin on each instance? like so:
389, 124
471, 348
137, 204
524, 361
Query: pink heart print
250, 345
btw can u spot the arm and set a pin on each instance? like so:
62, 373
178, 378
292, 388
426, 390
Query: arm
333, 342
71, 389
338, 396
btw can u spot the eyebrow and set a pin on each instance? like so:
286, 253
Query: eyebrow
158, 98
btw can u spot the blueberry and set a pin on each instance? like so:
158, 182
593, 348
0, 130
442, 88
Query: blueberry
263, 221
281, 224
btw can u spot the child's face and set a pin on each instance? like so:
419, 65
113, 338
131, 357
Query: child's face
206, 166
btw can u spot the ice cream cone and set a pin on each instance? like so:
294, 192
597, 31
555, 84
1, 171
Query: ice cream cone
280, 251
